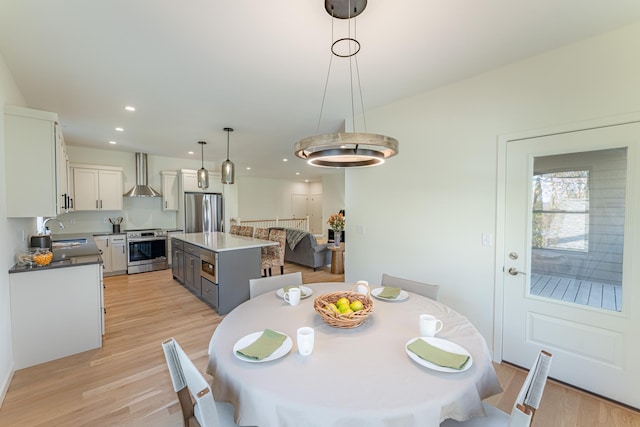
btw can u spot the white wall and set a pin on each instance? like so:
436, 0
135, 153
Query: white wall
424, 211
333, 198
267, 198
11, 231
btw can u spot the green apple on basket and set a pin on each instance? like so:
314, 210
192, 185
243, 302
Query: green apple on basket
344, 306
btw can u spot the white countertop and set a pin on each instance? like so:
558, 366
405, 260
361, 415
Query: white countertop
220, 242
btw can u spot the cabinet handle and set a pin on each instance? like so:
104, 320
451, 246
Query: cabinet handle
165, 204
107, 242
97, 204
100, 204
71, 202
123, 249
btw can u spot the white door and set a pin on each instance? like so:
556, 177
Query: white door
316, 214
571, 257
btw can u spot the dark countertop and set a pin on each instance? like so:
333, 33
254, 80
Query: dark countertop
68, 256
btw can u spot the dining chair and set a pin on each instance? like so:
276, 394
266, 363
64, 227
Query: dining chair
246, 231
424, 289
194, 394
234, 229
273, 257
525, 406
273, 283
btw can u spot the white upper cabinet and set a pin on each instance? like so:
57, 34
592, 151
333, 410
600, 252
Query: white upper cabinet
36, 165
97, 188
169, 190
189, 181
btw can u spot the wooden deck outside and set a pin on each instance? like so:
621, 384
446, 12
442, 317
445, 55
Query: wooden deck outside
584, 292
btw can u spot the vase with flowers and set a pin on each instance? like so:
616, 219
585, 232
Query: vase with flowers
336, 223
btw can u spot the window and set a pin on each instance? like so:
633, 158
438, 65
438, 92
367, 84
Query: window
561, 210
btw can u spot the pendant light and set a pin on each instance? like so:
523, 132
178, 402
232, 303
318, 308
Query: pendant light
203, 175
228, 169
346, 149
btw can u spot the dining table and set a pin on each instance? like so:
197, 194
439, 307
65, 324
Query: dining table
361, 376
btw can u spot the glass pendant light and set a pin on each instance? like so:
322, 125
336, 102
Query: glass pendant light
228, 168
203, 175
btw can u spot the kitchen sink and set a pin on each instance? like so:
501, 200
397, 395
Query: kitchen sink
60, 262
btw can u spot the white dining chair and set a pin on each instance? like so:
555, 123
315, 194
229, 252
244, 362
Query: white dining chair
525, 406
273, 283
424, 289
194, 393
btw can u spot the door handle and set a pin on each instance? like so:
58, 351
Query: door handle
514, 272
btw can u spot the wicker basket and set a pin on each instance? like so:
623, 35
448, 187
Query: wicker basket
350, 320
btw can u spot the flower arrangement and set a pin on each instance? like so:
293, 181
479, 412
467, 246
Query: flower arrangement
336, 222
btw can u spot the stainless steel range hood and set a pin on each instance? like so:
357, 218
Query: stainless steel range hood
142, 189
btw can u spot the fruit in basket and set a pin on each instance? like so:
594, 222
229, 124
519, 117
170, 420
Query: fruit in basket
356, 305
42, 257
345, 309
341, 301
333, 308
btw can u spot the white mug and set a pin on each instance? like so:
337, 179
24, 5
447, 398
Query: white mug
305, 338
429, 325
292, 296
362, 287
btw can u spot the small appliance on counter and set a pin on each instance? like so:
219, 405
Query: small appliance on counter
42, 241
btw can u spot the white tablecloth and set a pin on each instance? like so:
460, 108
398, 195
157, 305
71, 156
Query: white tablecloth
355, 377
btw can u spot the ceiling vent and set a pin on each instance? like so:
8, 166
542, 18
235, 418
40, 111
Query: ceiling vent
142, 189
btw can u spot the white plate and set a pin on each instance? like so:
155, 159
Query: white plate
443, 345
251, 338
401, 296
306, 292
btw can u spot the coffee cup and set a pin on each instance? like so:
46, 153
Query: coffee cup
305, 339
362, 287
292, 296
429, 325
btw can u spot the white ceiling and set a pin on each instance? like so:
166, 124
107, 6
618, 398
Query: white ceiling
193, 67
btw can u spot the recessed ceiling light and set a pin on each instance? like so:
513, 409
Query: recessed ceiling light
306, 180
191, 152
112, 142
130, 108
297, 173
120, 129
285, 160
248, 168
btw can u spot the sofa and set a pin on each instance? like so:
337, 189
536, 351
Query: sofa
306, 250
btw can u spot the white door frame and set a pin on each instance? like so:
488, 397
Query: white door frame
499, 275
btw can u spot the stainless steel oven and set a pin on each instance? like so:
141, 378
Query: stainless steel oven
146, 250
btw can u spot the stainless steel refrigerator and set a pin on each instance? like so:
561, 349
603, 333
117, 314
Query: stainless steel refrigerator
202, 212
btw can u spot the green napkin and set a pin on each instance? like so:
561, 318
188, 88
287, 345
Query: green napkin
389, 292
437, 356
286, 289
268, 342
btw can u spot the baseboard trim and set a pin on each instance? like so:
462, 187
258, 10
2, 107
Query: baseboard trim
6, 384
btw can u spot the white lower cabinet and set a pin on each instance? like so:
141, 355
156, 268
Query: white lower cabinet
118, 254
55, 313
113, 250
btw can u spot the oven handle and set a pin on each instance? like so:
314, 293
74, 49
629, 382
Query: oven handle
145, 239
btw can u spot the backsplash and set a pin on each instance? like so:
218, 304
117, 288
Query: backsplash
139, 212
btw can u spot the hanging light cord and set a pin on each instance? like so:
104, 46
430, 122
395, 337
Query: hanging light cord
352, 57
202, 154
228, 143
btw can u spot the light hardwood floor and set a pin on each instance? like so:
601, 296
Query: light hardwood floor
126, 383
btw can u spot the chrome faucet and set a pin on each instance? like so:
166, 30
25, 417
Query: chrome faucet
44, 224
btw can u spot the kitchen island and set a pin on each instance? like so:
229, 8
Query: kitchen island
217, 266
58, 310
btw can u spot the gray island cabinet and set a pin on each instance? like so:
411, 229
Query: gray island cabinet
217, 266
